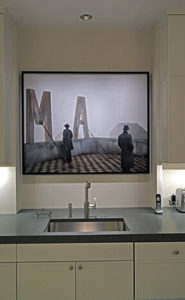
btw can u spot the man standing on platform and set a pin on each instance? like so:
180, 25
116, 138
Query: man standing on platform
126, 145
67, 142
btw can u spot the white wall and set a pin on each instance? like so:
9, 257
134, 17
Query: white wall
57, 191
85, 51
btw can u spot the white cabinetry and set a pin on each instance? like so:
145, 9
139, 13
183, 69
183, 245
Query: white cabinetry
75, 271
93, 271
51, 280
108, 280
172, 87
8, 89
8, 272
159, 270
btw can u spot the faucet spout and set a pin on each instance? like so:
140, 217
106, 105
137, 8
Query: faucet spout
86, 203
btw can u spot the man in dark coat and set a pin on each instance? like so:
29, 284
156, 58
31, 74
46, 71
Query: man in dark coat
126, 145
67, 142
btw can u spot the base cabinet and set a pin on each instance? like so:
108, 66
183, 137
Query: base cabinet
102, 271
46, 281
160, 280
8, 281
94, 280
82, 275
160, 270
7, 272
105, 280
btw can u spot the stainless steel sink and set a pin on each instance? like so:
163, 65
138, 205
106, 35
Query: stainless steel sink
86, 225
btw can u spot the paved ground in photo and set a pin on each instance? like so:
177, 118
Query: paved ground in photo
87, 163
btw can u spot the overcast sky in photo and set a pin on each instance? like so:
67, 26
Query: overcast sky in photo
110, 99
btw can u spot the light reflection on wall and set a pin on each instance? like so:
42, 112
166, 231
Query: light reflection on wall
170, 180
7, 190
3, 176
174, 178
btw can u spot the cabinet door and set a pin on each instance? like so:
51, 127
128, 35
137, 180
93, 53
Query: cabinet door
159, 280
110, 280
8, 281
46, 281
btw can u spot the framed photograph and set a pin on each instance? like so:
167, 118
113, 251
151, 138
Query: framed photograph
85, 122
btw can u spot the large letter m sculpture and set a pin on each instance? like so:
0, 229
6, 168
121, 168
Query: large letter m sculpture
41, 115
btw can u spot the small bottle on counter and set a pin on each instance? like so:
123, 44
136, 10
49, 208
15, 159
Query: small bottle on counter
69, 210
158, 209
173, 199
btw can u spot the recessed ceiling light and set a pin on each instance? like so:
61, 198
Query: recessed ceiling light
86, 17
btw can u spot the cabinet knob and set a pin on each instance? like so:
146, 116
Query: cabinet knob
176, 252
71, 267
80, 267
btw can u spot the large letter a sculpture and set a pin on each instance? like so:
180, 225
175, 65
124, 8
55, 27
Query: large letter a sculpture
80, 118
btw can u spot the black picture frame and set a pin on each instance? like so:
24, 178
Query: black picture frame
97, 106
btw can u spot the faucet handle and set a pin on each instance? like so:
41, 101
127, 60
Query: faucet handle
87, 184
93, 204
69, 210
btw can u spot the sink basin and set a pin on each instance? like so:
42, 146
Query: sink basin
86, 225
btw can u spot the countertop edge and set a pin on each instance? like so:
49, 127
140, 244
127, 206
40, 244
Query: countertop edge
101, 238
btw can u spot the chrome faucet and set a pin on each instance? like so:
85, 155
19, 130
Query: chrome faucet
87, 205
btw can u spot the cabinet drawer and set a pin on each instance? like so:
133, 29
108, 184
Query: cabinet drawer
160, 251
74, 252
7, 253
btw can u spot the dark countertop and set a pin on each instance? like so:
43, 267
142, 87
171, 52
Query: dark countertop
144, 226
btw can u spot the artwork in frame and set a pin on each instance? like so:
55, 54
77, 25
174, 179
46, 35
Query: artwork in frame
85, 122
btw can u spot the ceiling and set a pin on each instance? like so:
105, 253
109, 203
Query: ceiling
107, 14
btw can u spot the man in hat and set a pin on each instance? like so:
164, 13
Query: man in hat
67, 142
126, 145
